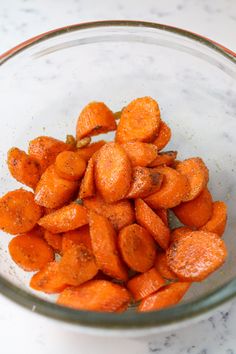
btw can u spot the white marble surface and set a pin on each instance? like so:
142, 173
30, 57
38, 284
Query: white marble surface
23, 332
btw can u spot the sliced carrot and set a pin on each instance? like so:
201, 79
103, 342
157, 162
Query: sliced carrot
197, 174
87, 187
145, 284
163, 214
103, 238
137, 247
165, 297
95, 295
139, 121
70, 165
166, 158
96, 118
163, 268
196, 212
140, 154
69, 217
49, 279
217, 222
30, 252
18, 212
54, 240
53, 191
173, 190
179, 232
145, 181
77, 265
163, 136
195, 255
87, 152
152, 222
113, 172
76, 237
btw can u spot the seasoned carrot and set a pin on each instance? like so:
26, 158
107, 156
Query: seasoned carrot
87, 152
217, 222
140, 154
195, 255
179, 232
165, 297
163, 268
113, 172
197, 174
139, 121
49, 279
163, 214
70, 165
18, 212
30, 252
196, 212
96, 295
53, 191
145, 284
146, 217
45, 150
76, 237
137, 247
166, 158
24, 168
96, 118
163, 136
87, 187
103, 239
120, 213
173, 190
145, 181
69, 217
54, 240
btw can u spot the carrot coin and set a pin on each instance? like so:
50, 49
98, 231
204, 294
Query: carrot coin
70, 165
87, 152
140, 154
76, 237
163, 214
179, 232
163, 136
163, 268
87, 187
54, 240
166, 158
217, 222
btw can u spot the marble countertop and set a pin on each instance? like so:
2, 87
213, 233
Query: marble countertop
24, 333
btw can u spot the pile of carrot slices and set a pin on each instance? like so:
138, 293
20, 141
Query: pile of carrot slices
102, 209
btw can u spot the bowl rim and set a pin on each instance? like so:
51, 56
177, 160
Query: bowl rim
129, 320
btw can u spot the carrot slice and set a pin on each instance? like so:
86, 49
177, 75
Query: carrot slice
163, 136
87, 187
96, 118
87, 152
140, 154
166, 158
53, 191
167, 296
70, 165
54, 240
163, 214
197, 174
49, 279
96, 295
78, 265
163, 268
113, 172
145, 181
18, 212
196, 212
76, 237
137, 247
139, 121
179, 232
195, 255
152, 222
70, 217
30, 252
173, 190
145, 284
103, 238
217, 222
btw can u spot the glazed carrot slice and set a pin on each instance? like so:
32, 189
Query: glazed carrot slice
96, 118
217, 222
146, 217
166, 158
163, 214
95, 295
113, 172
163, 268
76, 237
163, 136
140, 154
196, 212
145, 181
145, 284
139, 121
87, 152
49, 279
24, 168
167, 296
195, 255
54, 240
30, 252
70, 165
53, 191
69, 217
87, 187
103, 239
137, 247
18, 212
173, 190
179, 232
197, 174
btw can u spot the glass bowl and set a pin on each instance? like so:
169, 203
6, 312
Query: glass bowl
45, 82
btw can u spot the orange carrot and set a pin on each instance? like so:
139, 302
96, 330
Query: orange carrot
140, 154
87, 152
70, 165
179, 232
76, 237
163, 136
37, 231
87, 187
217, 222
163, 268
54, 240
163, 214
166, 158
